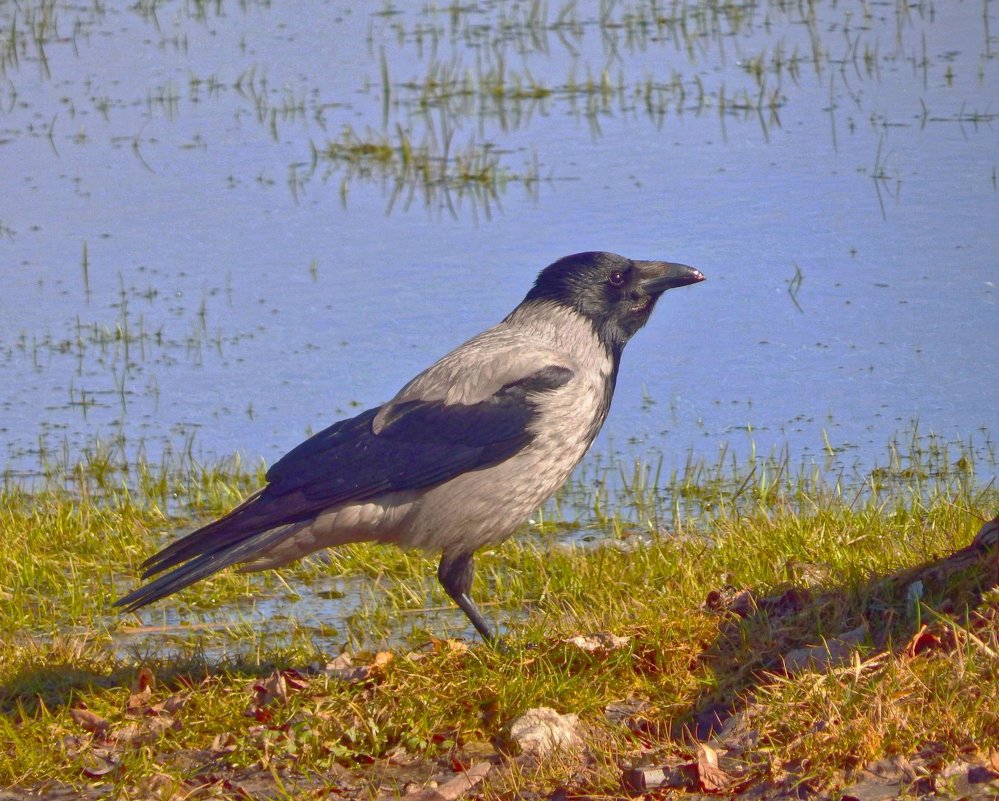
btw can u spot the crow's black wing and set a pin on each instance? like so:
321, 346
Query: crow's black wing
419, 444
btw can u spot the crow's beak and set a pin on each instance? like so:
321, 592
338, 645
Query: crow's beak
658, 276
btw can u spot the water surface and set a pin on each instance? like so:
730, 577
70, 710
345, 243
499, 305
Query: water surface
230, 224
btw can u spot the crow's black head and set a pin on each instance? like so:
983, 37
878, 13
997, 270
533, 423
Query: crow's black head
616, 294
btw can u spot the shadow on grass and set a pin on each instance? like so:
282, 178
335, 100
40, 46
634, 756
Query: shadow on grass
913, 610
61, 675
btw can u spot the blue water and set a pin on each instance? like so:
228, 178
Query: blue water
158, 175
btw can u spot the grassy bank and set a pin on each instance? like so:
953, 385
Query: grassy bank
787, 618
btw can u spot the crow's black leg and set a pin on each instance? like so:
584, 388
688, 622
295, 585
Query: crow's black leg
455, 575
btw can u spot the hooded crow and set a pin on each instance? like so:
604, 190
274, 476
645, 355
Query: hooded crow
462, 455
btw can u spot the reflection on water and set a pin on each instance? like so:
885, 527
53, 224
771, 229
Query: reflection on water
230, 223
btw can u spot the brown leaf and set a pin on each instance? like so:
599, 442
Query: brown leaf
451, 646
139, 701
930, 639
295, 680
144, 732
541, 731
144, 680
98, 765
350, 674
922, 641
342, 662
342, 668
74, 744
170, 705
711, 777
454, 788
89, 720
259, 713
224, 743
142, 692
274, 687
158, 785
129, 734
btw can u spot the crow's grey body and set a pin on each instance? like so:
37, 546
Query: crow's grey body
481, 507
462, 455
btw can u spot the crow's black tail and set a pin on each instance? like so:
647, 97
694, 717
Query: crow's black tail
202, 566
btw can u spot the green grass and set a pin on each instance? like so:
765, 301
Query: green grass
642, 561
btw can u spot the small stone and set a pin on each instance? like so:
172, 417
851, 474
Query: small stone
599, 641
542, 730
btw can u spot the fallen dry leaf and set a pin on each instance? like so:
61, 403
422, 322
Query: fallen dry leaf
274, 687
711, 777
89, 720
144, 679
931, 638
343, 668
258, 713
342, 662
454, 788
138, 702
923, 640
73, 744
142, 691
144, 732
129, 734
449, 645
97, 765
224, 743
171, 704
295, 680
158, 785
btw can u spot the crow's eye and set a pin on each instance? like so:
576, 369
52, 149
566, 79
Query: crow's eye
616, 278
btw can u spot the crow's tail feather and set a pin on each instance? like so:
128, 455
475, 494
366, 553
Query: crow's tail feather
244, 521
202, 566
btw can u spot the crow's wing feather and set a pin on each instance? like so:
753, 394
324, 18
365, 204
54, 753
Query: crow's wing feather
419, 444
424, 444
